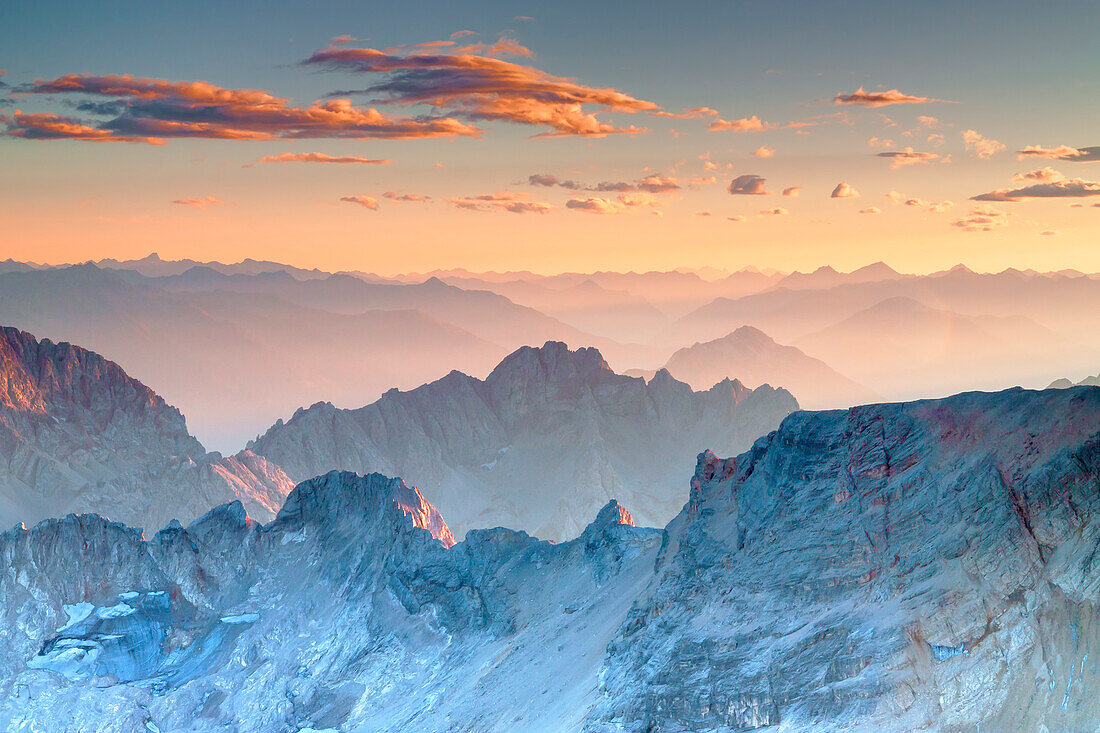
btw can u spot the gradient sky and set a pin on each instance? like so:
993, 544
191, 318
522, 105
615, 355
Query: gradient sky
1013, 74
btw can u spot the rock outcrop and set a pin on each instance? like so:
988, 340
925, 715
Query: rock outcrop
77, 434
539, 445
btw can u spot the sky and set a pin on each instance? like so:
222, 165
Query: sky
566, 136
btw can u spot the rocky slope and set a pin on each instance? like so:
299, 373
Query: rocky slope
79, 435
926, 566
539, 445
338, 615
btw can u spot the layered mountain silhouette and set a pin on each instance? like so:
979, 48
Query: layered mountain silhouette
903, 348
891, 568
751, 356
539, 445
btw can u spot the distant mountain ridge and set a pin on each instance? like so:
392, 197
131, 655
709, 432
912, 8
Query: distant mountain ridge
755, 358
539, 445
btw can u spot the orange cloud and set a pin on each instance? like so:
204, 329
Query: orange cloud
321, 158
199, 203
48, 126
844, 191
871, 210
902, 158
1062, 152
865, 98
367, 202
983, 219
621, 205
483, 88
155, 108
509, 201
1042, 175
764, 152
755, 124
649, 184
748, 184
793, 191
503, 47
773, 212
1047, 183
688, 114
980, 146
408, 197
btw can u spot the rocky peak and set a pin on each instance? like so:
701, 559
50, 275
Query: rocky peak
340, 496
553, 361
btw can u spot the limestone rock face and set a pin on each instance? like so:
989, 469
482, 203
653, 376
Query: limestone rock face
77, 434
920, 566
549, 437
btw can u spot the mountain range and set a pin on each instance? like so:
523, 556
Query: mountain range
237, 346
750, 355
925, 565
548, 437
540, 444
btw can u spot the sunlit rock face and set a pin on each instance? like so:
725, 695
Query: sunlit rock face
549, 437
77, 434
918, 566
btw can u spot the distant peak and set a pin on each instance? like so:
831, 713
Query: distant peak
613, 513
553, 358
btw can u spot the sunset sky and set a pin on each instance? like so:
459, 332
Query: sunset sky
553, 136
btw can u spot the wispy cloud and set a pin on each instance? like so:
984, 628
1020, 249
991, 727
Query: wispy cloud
864, 98
1044, 183
1062, 152
367, 202
408, 197
150, 110
688, 114
983, 219
752, 124
510, 201
902, 158
49, 126
484, 88
322, 158
649, 184
981, 146
203, 203
621, 204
